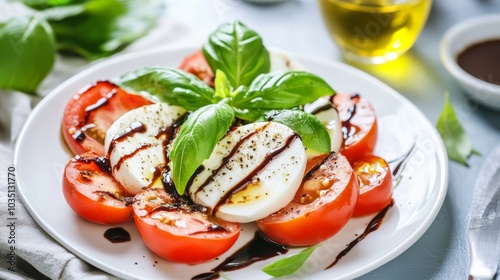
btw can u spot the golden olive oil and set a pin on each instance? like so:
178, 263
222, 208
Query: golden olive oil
375, 30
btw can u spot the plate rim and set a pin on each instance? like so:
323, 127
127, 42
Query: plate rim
440, 154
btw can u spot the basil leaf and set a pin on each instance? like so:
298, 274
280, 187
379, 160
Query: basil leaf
455, 139
28, 53
62, 12
249, 115
313, 133
289, 265
237, 51
105, 26
45, 4
172, 86
282, 90
196, 141
222, 85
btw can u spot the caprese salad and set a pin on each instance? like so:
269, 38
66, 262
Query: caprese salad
236, 134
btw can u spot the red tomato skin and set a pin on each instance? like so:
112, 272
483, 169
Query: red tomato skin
374, 198
79, 192
363, 142
197, 65
178, 247
77, 115
320, 219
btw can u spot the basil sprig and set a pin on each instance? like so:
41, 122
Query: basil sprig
458, 145
239, 52
243, 89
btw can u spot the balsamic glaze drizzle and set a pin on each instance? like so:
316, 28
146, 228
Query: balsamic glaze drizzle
373, 225
258, 249
397, 165
349, 129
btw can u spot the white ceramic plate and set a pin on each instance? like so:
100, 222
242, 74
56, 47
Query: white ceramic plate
40, 158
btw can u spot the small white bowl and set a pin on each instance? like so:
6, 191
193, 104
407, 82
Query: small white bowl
459, 37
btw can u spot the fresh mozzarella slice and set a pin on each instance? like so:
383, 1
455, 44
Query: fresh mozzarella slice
281, 61
328, 115
136, 143
254, 171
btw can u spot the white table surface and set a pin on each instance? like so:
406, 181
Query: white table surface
296, 26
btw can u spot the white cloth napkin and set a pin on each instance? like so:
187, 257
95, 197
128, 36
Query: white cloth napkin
37, 255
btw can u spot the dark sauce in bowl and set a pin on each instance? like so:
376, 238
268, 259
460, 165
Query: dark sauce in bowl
482, 60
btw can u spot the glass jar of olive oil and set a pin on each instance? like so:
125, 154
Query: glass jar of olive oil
374, 31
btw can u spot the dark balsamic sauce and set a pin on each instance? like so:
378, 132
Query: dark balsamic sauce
482, 60
258, 249
373, 225
117, 235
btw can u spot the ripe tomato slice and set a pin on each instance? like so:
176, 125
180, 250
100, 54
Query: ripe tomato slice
197, 65
90, 112
178, 231
359, 125
93, 193
375, 183
323, 204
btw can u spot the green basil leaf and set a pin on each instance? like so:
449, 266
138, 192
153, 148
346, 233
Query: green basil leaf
249, 115
45, 4
62, 12
172, 86
197, 139
27, 50
455, 139
289, 265
282, 90
105, 26
238, 51
313, 133
222, 85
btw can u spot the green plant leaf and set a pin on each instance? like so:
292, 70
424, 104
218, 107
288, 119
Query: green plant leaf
282, 90
172, 86
458, 145
249, 115
238, 51
222, 85
289, 265
27, 51
313, 133
45, 4
105, 26
197, 139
